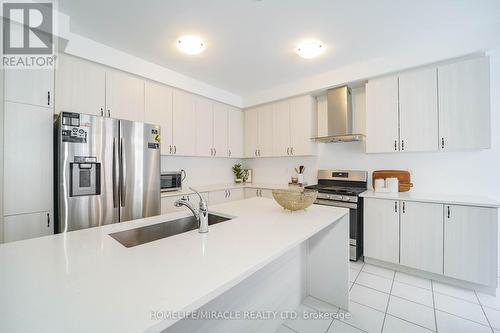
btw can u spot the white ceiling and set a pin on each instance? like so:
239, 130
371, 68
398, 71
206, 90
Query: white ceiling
250, 43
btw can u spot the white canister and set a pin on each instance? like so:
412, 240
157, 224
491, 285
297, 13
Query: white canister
300, 178
379, 184
393, 184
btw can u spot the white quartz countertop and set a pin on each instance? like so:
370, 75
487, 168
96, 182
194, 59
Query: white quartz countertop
222, 187
451, 199
85, 281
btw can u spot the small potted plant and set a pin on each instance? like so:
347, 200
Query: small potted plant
240, 174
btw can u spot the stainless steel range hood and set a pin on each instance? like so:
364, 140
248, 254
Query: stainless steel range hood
339, 117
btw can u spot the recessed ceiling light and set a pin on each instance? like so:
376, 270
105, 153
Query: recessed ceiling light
309, 49
191, 44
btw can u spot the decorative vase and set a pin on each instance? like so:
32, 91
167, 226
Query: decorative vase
238, 180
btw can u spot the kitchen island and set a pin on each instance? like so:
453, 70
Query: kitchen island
264, 258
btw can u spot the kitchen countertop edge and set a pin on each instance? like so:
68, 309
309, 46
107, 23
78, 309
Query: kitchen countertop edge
452, 199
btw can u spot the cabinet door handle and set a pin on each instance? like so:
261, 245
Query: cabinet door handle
288, 151
109, 113
255, 153
229, 193
229, 152
291, 151
48, 220
395, 145
404, 207
442, 143
402, 144
215, 151
448, 213
170, 149
259, 152
48, 97
102, 112
395, 206
175, 149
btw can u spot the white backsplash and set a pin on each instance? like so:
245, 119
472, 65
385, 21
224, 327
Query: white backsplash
201, 170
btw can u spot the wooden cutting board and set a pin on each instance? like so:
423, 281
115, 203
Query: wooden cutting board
403, 176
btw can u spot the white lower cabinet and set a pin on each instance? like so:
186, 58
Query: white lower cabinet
455, 241
470, 241
381, 229
258, 192
218, 197
250, 193
421, 235
24, 226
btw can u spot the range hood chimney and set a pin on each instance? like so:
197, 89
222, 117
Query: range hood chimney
339, 117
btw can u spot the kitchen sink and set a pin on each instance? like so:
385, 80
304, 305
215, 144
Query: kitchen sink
150, 233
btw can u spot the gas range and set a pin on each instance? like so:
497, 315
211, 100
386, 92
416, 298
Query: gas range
340, 185
341, 188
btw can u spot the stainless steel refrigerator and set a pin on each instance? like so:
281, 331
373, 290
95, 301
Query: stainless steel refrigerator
107, 171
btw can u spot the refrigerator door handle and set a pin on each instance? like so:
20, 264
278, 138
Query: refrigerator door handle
123, 193
115, 174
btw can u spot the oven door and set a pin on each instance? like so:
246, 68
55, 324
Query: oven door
355, 232
171, 181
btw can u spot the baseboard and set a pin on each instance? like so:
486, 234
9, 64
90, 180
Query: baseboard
432, 276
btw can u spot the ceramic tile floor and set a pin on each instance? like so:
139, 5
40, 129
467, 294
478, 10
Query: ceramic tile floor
386, 301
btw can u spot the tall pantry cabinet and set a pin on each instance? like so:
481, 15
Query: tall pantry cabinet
28, 108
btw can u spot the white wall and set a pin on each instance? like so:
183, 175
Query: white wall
201, 170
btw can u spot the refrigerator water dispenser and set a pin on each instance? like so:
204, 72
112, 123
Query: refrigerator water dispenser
85, 177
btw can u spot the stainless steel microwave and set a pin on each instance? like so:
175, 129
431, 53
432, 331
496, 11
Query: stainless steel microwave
171, 180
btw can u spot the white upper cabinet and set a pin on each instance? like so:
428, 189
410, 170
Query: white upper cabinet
303, 124
220, 130
184, 125
235, 130
158, 111
204, 127
30, 86
418, 110
28, 142
470, 234
284, 128
381, 229
265, 131
422, 236
281, 128
429, 109
80, 86
211, 128
124, 96
464, 105
251, 132
382, 127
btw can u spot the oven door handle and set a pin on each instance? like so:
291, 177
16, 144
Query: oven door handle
336, 203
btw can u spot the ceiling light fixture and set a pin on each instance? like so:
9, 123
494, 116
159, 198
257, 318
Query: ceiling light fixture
309, 49
191, 44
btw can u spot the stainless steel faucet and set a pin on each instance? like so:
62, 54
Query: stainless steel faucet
201, 215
